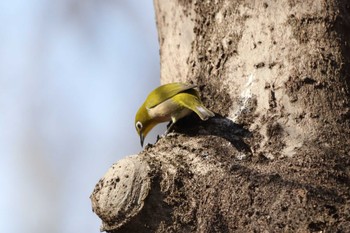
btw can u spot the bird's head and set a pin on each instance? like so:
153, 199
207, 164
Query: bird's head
143, 123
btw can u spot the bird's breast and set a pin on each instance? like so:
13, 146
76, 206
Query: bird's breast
166, 110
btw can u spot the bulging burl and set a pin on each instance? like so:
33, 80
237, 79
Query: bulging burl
120, 194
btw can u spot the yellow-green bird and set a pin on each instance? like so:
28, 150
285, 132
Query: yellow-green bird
171, 101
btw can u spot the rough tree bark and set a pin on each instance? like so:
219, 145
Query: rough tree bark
276, 157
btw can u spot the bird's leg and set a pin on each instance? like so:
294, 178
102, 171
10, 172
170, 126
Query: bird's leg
169, 126
158, 138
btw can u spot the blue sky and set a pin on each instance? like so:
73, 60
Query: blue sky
72, 75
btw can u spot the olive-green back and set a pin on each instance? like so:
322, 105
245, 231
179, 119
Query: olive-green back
165, 92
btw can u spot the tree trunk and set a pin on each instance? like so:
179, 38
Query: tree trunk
276, 157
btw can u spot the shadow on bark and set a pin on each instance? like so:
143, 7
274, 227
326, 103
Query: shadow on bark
217, 126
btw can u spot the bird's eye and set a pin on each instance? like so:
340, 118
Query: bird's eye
139, 125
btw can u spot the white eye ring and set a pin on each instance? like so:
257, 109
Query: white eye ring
139, 125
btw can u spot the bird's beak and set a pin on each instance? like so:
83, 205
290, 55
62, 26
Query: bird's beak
142, 138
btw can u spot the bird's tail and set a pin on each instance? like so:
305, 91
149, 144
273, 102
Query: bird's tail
203, 112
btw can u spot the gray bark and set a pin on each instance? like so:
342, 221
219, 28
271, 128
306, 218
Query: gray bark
276, 157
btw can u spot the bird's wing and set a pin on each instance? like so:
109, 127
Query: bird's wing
191, 101
165, 92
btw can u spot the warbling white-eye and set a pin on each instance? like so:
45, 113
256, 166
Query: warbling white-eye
171, 101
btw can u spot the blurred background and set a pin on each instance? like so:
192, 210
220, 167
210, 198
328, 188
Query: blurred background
72, 76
